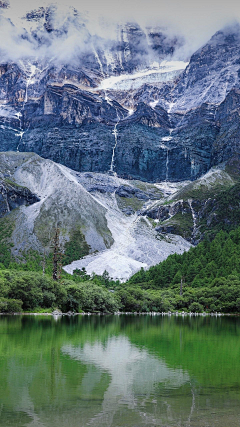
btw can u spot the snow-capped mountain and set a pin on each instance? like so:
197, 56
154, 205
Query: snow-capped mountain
123, 122
127, 105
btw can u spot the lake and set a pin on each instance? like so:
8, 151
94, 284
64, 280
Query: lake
119, 371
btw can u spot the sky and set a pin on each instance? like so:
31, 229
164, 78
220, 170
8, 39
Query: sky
197, 21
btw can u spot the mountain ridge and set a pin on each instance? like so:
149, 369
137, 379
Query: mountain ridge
70, 114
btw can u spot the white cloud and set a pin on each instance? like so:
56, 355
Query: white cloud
197, 21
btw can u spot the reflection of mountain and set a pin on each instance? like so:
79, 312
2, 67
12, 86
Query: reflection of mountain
135, 375
124, 371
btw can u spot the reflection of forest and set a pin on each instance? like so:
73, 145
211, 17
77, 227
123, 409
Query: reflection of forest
119, 371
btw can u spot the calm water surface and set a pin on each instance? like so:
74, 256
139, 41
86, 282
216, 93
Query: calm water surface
119, 371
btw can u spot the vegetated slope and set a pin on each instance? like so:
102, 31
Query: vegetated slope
197, 267
201, 208
210, 276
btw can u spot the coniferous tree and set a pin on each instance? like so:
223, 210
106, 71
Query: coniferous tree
57, 255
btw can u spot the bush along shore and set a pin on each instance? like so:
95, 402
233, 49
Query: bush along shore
204, 280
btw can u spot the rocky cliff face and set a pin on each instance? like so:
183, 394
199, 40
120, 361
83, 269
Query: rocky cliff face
211, 74
114, 110
12, 196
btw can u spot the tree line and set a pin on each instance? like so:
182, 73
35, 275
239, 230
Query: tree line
206, 278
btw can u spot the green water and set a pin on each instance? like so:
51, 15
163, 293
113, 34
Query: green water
127, 371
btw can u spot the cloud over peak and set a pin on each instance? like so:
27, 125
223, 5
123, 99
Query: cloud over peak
55, 29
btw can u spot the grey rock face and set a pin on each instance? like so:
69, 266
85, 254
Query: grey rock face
212, 72
178, 129
12, 196
227, 143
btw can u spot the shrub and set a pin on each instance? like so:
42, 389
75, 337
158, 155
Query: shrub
195, 307
10, 305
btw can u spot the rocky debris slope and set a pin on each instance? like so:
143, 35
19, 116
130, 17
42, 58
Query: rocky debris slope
116, 225
95, 210
136, 244
61, 200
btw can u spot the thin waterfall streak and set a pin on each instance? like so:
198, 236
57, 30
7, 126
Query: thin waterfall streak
29, 79
167, 162
185, 152
21, 132
115, 133
20, 140
193, 217
30, 75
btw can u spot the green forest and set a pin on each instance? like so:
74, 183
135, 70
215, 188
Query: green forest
204, 279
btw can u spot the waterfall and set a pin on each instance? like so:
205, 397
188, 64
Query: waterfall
194, 217
7, 204
167, 161
185, 152
30, 71
20, 132
164, 147
167, 139
115, 133
30, 76
192, 167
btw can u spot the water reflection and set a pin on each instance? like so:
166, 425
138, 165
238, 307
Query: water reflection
119, 372
134, 376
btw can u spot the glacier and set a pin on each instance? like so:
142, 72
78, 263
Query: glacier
167, 71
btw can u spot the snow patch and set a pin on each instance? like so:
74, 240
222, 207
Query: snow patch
153, 104
130, 111
7, 111
166, 71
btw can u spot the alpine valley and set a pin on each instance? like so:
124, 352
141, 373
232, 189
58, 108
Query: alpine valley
132, 147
